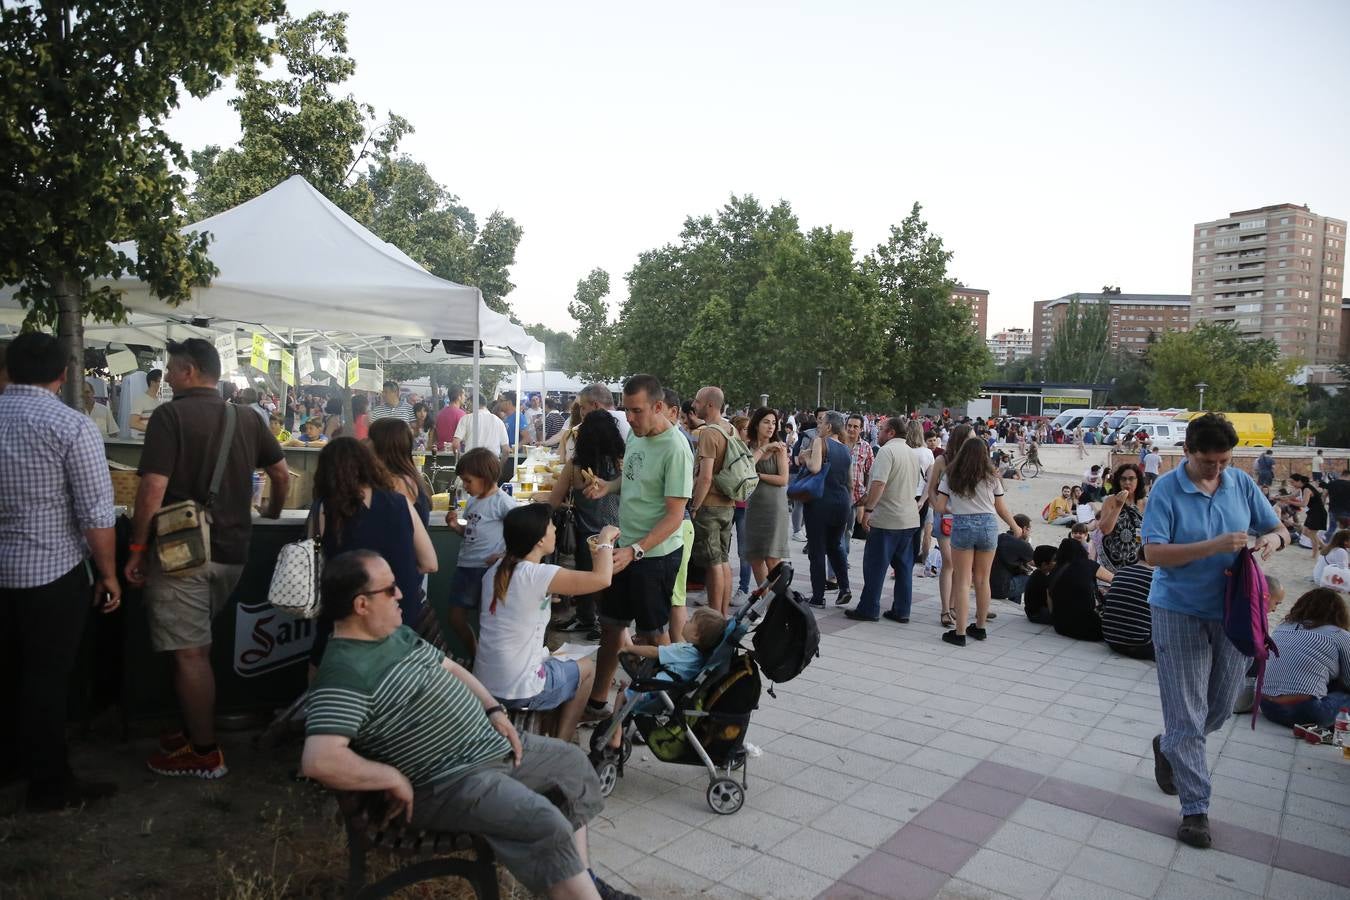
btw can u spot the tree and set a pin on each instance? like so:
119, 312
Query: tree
1240, 375
559, 346
1329, 414
931, 350
85, 88
592, 356
1080, 348
297, 125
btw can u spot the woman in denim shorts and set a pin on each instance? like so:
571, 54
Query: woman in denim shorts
972, 493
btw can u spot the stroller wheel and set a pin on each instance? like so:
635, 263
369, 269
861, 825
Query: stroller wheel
608, 772
724, 796
625, 749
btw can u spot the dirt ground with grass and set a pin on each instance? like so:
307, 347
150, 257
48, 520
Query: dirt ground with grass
259, 833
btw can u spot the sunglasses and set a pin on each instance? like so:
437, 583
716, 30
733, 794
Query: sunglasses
382, 591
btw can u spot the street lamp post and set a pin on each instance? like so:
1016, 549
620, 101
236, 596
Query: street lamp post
1202, 387
763, 399
820, 371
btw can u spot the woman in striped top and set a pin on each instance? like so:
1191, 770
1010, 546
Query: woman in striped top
1310, 679
1127, 622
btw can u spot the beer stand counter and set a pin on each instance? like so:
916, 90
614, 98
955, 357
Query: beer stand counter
260, 655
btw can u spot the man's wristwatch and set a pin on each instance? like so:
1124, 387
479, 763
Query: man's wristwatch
638, 552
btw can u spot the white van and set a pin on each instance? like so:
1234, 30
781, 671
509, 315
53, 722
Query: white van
1132, 422
1164, 434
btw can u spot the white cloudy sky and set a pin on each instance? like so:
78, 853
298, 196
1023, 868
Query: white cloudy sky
1056, 146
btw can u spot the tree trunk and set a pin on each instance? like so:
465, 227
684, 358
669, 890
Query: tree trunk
70, 333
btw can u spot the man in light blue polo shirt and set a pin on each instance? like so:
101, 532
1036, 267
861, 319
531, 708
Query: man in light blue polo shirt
1199, 516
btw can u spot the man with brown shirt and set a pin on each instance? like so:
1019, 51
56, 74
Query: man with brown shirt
712, 511
181, 444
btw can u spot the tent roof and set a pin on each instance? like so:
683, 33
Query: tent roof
290, 259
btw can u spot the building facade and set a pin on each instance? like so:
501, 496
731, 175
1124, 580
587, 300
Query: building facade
978, 301
1136, 320
1010, 345
1275, 272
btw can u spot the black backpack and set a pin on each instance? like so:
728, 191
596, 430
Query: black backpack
787, 638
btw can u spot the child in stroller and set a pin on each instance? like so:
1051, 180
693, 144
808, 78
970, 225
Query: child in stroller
699, 719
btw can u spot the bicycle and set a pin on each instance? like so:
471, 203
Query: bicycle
1026, 466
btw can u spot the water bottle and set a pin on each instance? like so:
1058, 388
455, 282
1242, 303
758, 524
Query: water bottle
1342, 728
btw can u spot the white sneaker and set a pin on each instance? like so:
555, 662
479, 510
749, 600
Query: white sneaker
798, 536
739, 599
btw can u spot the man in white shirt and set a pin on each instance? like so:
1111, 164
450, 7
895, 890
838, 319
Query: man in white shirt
491, 433
891, 519
142, 405
101, 415
597, 396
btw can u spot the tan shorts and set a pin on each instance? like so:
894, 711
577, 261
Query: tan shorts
181, 609
712, 535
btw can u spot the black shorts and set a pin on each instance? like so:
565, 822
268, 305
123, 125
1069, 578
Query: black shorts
641, 594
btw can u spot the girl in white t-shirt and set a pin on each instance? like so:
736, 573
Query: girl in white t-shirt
972, 493
513, 662
1335, 553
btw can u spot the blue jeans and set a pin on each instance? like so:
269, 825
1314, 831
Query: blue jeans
888, 548
739, 520
1322, 711
1016, 585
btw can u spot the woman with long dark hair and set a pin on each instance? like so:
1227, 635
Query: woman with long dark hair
1122, 517
972, 493
766, 512
1309, 681
357, 507
513, 661
955, 439
1309, 499
599, 454
332, 422
421, 425
830, 514
360, 418
392, 442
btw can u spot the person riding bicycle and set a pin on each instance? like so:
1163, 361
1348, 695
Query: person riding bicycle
1033, 452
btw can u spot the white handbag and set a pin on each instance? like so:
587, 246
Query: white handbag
295, 580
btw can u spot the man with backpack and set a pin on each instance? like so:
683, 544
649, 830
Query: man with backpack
1199, 517
719, 476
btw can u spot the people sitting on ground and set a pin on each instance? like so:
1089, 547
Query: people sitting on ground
1127, 623
486, 510
1073, 592
1061, 510
703, 632
513, 661
1092, 485
1310, 679
1036, 595
1082, 532
388, 712
1336, 552
1012, 563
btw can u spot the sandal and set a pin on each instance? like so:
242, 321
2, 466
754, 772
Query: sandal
948, 619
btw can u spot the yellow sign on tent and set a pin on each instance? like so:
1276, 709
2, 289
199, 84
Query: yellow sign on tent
287, 367
353, 370
258, 359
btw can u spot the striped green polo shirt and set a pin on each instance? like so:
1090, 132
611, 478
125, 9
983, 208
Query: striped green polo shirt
400, 707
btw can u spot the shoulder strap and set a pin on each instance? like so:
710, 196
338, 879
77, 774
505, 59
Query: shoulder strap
221, 455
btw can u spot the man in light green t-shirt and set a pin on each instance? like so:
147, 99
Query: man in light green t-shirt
657, 481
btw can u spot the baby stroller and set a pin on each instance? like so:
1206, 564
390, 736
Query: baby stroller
703, 721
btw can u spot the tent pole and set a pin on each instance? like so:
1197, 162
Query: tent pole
473, 423
516, 449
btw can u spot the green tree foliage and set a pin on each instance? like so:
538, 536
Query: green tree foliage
931, 350
558, 346
297, 124
1080, 350
84, 90
592, 354
302, 124
1240, 375
1329, 414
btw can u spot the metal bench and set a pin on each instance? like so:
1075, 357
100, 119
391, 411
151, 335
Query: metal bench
427, 853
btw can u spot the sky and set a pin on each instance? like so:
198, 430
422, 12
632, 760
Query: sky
1055, 147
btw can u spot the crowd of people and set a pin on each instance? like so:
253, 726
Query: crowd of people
651, 495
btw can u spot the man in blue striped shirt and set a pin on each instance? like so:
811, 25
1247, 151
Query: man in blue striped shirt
388, 712
56, 511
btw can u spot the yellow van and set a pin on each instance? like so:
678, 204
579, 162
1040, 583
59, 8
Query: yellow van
1253, 429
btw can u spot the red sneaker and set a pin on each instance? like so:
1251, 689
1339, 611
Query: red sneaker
172, 741
185, 761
